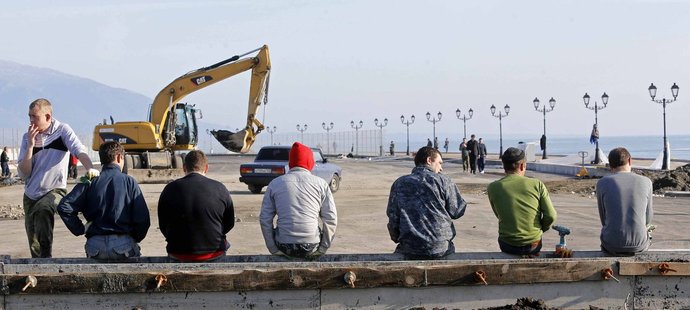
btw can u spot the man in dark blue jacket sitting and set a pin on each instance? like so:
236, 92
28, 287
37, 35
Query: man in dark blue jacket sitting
113, 206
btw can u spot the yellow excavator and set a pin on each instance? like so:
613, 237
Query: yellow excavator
172, 125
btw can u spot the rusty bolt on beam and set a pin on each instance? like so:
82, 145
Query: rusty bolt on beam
665, 268
350, 278
161, 279
31, 281
480, 276
607, 273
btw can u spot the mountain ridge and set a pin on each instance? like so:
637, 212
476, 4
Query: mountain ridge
80, 102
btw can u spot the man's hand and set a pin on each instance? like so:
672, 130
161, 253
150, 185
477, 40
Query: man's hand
90, 175
32, 134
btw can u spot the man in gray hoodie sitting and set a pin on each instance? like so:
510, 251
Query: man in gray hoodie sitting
299, 199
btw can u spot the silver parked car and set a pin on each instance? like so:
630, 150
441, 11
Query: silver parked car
272, 162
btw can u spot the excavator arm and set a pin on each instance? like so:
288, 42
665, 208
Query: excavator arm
162, 115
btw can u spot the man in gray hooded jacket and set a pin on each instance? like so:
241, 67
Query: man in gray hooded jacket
299, 200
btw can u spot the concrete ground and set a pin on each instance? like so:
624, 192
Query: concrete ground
361, 204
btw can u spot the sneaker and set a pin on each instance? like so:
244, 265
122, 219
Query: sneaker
482, 172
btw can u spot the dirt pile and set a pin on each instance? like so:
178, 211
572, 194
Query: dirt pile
674, 180
526, 303
11, 211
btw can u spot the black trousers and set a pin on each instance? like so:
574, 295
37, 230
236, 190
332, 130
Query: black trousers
473, 163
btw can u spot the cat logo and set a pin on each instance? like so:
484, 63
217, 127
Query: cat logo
201, 79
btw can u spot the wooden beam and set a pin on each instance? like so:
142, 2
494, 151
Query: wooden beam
280, 278
653, 269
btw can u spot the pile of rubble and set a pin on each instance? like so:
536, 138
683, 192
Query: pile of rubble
673, 180
11, 211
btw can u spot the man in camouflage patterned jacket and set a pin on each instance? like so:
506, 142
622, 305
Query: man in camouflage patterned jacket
421, 207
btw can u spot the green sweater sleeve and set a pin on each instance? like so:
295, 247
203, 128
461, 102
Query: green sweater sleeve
546, 207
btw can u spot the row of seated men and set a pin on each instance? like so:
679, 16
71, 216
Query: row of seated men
195, 213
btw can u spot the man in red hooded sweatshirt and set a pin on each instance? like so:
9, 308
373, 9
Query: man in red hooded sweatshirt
299, 199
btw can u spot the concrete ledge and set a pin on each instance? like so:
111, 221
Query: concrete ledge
569, 170
679, 194
376, 258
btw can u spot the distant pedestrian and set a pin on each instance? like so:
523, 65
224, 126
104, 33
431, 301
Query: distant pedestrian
436, 143
428, 142
392, 148
465, 155
445, 145
5, 162
473, 151
481, 153
334, 148
72, 167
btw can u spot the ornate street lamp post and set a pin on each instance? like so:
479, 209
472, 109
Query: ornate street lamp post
301, 131
596, 108
500, 116
545, 109
434, 120
407, 123
464, 119
356, 128
380, 126
328, 135
674, 91
271, 131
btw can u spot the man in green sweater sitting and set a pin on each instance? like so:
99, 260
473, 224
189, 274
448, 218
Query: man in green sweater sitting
522, 206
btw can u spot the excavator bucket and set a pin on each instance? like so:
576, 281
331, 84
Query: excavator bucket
239, 142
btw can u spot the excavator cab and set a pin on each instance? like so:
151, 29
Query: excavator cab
186, 130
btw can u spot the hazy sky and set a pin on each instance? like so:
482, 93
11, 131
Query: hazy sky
337, 61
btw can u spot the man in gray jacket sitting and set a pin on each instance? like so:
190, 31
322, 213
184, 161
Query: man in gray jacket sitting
299, 199
625, 207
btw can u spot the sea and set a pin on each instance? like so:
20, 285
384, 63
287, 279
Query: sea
640, 147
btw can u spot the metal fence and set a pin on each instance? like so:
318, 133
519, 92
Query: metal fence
360, 142
366, 141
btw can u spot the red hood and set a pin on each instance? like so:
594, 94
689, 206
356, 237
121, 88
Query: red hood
301, 156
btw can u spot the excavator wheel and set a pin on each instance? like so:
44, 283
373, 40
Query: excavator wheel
177, 161
128, 163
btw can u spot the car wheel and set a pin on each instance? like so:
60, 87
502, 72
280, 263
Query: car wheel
255, 189
335, 183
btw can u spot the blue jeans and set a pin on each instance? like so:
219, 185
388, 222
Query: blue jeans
111, 247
